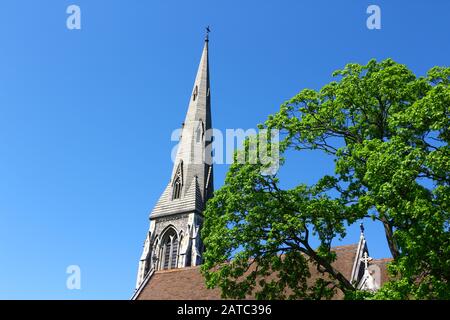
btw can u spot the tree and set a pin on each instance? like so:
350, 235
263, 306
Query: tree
388, 132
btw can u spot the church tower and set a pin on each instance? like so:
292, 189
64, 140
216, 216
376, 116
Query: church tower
173, 240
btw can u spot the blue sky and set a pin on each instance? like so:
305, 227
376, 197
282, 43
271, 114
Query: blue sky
86, 115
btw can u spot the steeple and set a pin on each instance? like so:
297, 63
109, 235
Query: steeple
173, 239
193, 162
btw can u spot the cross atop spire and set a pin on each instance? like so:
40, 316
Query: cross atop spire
208, 30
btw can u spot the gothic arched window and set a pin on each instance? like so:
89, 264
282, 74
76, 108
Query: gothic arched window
200, 131
170, 250
195, 94
178, 182
177, 188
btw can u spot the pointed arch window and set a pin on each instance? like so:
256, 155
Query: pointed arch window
200, 131
177, 188
177, 182
170, 250
195, 94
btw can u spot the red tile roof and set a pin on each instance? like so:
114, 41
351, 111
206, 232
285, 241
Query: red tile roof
189, 284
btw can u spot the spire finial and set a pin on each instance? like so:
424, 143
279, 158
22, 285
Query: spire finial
361, 226
208, 30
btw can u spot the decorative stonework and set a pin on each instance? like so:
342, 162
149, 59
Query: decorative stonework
170, 218
365, 275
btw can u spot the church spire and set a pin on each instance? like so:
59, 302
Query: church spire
173, 239
193, 163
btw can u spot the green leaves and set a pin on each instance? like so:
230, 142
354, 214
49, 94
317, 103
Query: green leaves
388, 133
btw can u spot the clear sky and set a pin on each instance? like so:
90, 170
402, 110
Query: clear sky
86, 115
